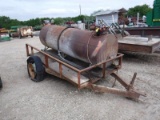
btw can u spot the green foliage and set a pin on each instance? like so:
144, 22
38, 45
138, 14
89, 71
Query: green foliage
6, 22
78, 18
143, 10
59, 21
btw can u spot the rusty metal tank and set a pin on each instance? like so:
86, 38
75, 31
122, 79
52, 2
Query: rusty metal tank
81, 44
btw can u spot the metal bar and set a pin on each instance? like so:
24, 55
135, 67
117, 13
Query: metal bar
129, 94
79, 77
27, 50
32, 52
120, 80
133, 79
46, 61
60, 70
108, 60
104, 70
120, 62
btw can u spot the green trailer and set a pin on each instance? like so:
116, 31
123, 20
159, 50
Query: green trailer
153, 17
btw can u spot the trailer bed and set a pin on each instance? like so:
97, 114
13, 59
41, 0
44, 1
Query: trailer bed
67, 72
78, 73
139, 44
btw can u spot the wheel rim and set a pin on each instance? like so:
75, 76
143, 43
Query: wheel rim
31, 70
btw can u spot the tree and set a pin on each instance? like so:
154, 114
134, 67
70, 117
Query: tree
78, 18
59, 21
6, 22
142, 10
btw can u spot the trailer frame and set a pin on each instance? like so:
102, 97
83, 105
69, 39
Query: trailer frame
111, 70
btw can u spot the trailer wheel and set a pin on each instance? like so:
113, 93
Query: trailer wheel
36, 70
1, 85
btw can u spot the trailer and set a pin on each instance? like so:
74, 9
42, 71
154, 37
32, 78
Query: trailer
139, 44
21, 31
75, 69
136, 43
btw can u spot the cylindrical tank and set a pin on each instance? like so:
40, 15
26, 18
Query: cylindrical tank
81, 44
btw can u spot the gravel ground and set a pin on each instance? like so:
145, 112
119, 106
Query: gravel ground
55, 99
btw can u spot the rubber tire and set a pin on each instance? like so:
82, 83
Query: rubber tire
1, 85
40, 70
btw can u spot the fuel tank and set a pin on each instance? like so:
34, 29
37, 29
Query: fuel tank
81, 44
